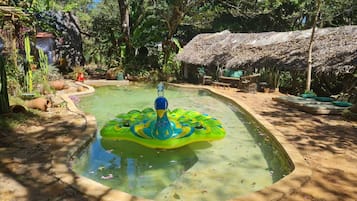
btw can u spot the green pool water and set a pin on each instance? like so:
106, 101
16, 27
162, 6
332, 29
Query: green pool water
246, 160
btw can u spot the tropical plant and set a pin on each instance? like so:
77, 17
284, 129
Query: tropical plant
27, 65
76, 71
42, 75
170, 66
43, 63
271, 75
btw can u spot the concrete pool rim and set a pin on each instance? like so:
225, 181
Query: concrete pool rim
62, 170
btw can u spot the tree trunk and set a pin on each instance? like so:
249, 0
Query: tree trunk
4, 98
124, 19
309, 62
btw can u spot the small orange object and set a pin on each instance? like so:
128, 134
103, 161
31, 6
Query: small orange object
80, 77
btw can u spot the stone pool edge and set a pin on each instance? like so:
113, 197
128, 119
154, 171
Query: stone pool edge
62, 170
61, 162
285, 186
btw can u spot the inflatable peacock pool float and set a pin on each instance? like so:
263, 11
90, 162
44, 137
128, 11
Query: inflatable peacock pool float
162, 128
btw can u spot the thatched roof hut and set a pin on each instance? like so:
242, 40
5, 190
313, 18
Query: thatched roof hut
334, 50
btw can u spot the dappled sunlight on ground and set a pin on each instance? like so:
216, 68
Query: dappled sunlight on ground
328, 143
26, 154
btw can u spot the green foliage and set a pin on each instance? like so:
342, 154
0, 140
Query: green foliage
28, 63
201, 71
27, 43
337, 13
291, 82
14, 78
203, 16
77, 70
42, 5
70, 6
334, 84
270, 15
148, 26
271, 75
43, 72
43, 62
171, 67
178, 45
310, 92
152, 22
104, 45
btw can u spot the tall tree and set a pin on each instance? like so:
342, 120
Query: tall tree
4, 98
124, 19
309, 62
173, 15
12, 21
103, 46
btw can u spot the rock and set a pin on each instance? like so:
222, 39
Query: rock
56, 101
71, 89
80, 89
38, 103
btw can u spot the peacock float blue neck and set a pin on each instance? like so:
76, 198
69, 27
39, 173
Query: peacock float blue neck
162, 128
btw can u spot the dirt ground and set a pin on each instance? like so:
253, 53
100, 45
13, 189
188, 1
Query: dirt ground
26, 153
328, 143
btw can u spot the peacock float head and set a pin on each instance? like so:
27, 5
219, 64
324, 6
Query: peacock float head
161, 102
161, 105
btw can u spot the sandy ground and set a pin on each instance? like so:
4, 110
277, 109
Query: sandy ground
328, 143
26, 152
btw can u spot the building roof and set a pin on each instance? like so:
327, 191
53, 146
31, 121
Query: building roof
334, 50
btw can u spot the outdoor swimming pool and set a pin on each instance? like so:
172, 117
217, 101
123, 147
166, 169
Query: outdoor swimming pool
246, 160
